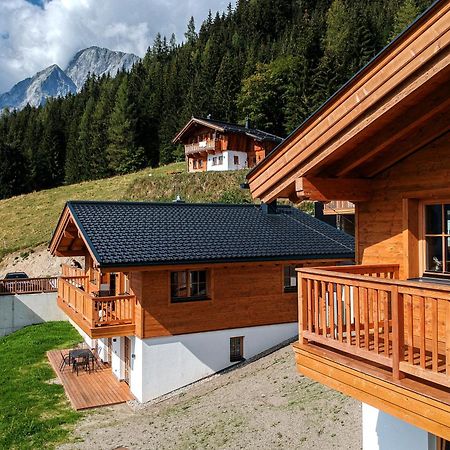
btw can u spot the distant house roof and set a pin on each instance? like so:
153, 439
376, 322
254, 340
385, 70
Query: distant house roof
144, 234
225, 127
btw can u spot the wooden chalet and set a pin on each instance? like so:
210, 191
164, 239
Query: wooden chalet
163, 284
215, 145
379, 331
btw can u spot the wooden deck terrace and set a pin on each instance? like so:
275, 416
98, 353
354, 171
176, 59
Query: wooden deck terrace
90, 390
379, 339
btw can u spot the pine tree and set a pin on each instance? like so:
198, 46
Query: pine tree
12, 167
405, 15
337, 36
191, 34
123, 156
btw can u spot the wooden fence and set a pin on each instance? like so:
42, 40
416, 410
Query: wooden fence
28, 285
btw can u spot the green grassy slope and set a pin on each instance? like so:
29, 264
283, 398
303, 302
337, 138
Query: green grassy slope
33, 412
28, 220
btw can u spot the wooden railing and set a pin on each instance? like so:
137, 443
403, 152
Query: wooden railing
338, 207
97, 311
209, 144
71, 271
367, 312
28, 285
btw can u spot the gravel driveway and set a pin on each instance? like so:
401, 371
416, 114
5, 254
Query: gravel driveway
265, 404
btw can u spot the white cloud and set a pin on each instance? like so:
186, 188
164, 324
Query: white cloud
32, 38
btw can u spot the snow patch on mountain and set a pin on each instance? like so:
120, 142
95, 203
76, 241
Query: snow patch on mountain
50, 82
54, 82
98, 61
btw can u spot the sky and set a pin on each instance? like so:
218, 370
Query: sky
35, 34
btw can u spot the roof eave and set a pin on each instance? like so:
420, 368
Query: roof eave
194, 120
332, 256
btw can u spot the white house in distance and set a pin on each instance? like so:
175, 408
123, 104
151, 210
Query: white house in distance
213, 145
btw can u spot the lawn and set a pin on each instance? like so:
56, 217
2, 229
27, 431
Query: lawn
33, 412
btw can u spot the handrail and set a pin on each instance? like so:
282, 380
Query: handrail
195, 147
403, 325
28, 285
70, 271
97, 311
405, 284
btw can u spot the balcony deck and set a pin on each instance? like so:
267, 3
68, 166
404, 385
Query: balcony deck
201, 147
90, 390
361, 324
98, 316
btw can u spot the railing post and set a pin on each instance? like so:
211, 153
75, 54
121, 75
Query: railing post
398, 332
302, 307
92, 312
447, 338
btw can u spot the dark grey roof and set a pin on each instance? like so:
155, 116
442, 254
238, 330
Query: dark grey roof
251, 132
127, 233
222, 126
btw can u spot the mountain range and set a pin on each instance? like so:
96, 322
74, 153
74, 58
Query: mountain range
55, 82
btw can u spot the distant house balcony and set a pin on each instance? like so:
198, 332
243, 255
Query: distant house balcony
201, 147
379, 339
338, 207
97, 313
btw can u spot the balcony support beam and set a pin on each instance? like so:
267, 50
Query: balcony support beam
327, 189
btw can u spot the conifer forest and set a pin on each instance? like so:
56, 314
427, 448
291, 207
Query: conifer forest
273, 61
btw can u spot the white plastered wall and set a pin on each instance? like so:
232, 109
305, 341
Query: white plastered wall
228, 161
382, 431
161, 365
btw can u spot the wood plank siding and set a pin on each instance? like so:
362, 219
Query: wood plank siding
240, 296
380, 234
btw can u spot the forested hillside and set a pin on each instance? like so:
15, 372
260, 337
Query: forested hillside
275, 61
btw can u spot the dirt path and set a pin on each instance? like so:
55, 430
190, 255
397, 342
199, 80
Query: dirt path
263, 405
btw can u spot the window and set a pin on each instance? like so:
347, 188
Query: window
214, 161
236, 348
442, 444
194, 164
236, 160
220, 160
188, 285
200, 163
290, 278
437, 238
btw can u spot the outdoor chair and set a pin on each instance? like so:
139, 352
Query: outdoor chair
81, 362
65, 361
95, 358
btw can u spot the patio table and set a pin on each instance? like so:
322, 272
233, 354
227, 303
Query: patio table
82, 353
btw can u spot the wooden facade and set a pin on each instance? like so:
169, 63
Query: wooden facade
380, 331
238, 295
201, 138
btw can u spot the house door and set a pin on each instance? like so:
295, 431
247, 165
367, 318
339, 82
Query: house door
112, 284
127, 357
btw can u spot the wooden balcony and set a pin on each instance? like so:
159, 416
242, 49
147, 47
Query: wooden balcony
28, 285
338, 207
98, 316
381, 340
201, 147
